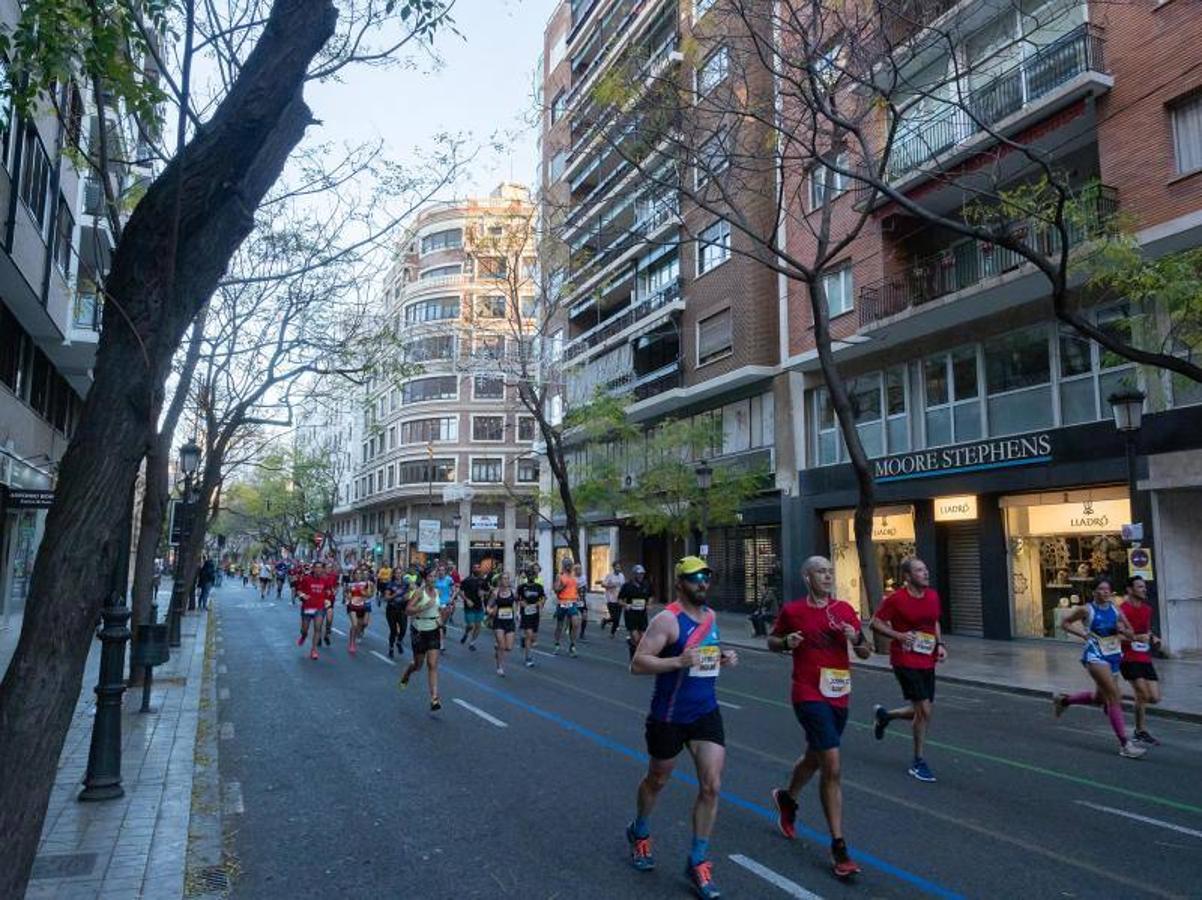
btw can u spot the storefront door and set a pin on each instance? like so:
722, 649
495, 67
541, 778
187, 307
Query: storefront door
963, 591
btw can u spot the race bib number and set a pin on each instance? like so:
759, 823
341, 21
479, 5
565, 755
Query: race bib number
638, 605
834, 682
709, 661
924, 643
505, 612
1141, 646
531, 609
1109, 645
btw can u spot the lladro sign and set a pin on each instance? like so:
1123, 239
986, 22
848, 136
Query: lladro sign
993, 454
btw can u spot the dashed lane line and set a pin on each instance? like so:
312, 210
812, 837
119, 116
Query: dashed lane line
1147, 820
492, 720
792, 888
382, 658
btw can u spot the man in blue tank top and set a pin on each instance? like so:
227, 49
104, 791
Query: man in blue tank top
682, 651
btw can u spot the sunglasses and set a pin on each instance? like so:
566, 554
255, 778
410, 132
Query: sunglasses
698, 577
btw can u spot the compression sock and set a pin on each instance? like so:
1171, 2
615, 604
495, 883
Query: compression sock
1114, 712
1082, 698
640, 827
699, 850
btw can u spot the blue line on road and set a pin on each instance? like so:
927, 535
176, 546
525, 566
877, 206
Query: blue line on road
923, 884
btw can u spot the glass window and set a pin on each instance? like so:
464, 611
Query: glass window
35, 176
1187, 134
440, 346
1018, 360
486, 469
715, 338
527, 471
964, 373
818, 180
713, 246
488, 387
494, 267
449, 239
488, 428
1075, 356
432, 310
898, 425
935, 376
425, 431
837, 286
420, 471
440, 272
492, 307
828, 443
713, 71
526, 428
423, 390
64, 232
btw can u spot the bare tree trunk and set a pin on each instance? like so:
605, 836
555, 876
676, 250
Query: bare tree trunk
231, 163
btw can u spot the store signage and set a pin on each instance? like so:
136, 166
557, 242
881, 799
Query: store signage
1139, 563
956, 509
27, 498
992, 454
429, 535
486, 523
1090, 517
890, 528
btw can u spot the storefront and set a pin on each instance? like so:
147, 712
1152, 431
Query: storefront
746, 559
25, 495
892, 541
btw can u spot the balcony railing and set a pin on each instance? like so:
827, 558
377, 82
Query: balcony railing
85, 312
640, 387
622, 320
648, 220
969, 262
1079, 51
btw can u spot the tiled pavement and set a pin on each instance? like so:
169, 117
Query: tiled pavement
136, 846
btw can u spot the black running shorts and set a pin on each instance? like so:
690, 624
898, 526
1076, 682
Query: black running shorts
916, 684
665, 740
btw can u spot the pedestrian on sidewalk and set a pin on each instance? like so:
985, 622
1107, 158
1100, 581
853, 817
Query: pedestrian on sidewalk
910, 618
204, 580
612, 582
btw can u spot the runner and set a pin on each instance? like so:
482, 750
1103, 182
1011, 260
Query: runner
531, 595
313, 610
582, 595
1136, 666
472, 589
1102, 626
264, 571
502, 607
635, 597
358, 608
681, 649
329, 581
567, 595
910, 616
396, 596
816, 630
281, 575
446, 602
295, 571
383, 575
425, 621
612, 583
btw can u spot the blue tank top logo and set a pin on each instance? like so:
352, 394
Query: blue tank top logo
688, 694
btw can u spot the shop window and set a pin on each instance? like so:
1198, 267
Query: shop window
892, 542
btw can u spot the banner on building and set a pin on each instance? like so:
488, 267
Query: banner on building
429, 535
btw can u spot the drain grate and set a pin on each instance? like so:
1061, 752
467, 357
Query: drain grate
63, 865
212, 879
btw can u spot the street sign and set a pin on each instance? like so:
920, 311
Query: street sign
429, 535
486, 523
28, 498
1139, 563
1133, 533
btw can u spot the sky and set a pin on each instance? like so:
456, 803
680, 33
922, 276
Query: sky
482, 88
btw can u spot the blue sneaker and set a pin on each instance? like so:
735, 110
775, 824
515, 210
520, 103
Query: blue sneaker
921, 770
881, 721
701, 876
640, 851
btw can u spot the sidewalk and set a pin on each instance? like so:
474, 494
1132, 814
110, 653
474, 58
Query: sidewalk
1039, 668
135, 846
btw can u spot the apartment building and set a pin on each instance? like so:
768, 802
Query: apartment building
990, 426
444, 466
54, 248
654, 297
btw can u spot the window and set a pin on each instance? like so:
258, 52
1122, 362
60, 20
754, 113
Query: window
558, 105
559, 162
440, 272
713, 246
837, 286
492, 307
712, 159
713, 71
701, 7
826, 428
489, 347
1088, 373
429, 431
526, 428
432, 310
435, 346
714, 337
1017, 381
494, 267
488, 428
449, 239
866, 403
422, 471
818, 181
64, 229
487, 469
1187, 134
35, 176
527, 471
953, 406
392, 437
392, 476
488, 387
423, 390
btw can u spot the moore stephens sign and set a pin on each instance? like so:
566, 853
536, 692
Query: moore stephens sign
1022, 450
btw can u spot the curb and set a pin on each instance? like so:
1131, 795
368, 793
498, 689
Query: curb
1161, 712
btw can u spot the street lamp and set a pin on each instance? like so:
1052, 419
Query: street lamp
189, 462
705, 479
456, 521
1128, 408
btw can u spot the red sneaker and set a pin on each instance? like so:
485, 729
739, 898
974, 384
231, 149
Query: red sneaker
786, 813
300, 641
842, 863
313, 655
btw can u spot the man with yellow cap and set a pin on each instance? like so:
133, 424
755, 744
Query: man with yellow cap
681, 649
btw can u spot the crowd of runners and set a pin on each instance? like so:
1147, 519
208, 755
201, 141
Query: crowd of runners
681, 647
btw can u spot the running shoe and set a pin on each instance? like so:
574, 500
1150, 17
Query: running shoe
390, 653
313, 655
572, 650
842, 863
786, 813
351, 649
500, 672
472, 647
327, 640
555, 651
880, 717
300, 641
1129, 750
1059, 705
701, 876
529, 664
463, 640
921, 770
1144, 738
403, 682
640, 851
435, 705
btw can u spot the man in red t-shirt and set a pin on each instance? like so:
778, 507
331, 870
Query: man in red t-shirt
1137, 665
816, 630
910, 617
311, 590
329, 588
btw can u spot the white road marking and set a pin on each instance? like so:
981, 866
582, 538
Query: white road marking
481, 713
223, 694
1180, 829
381, 657
729, 705
227, 731
233, 798
338, 631
792, 888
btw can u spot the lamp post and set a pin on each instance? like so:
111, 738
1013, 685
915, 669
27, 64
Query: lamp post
189, 462
1128, 408
456, 521
705, 479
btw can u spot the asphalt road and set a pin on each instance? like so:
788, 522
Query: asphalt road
522, 786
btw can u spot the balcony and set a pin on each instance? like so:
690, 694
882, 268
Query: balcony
970, 262
649, 219
85, 312
640, 387
623, 320
1051, 67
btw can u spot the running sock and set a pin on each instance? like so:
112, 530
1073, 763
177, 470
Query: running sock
1082, 698
699, 850
640, 827
1114, 712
